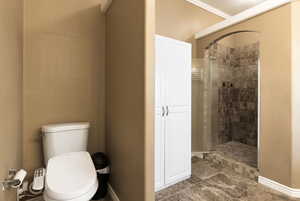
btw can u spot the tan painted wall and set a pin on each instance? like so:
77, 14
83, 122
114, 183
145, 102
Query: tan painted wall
180, 19
243, 39
240, 39
10, 89
295, 94
228, 41
149, 100
197, 103
64, 44
129, 91
275, 44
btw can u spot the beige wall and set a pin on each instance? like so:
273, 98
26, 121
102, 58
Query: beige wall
295, 94
10, 89
197, 111
149, 92
275, 50
246, 38
64, 44
180, 19
129, 91
240, 39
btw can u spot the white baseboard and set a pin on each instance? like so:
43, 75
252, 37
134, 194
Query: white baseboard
292, 192
112, 193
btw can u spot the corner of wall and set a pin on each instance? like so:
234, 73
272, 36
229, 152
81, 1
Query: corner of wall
149, 100
295, 84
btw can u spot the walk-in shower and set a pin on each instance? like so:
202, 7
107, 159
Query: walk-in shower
225, 97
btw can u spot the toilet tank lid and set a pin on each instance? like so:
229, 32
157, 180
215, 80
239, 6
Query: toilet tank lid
51, 128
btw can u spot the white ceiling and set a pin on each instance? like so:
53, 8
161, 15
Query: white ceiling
232, 7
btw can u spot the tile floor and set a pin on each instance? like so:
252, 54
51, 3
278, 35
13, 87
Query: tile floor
211, 182
239, 152
241, 158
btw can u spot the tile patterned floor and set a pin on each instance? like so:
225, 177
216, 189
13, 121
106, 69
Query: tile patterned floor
239, 152
240, 158
210, 182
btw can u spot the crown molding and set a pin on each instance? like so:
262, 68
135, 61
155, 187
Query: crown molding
247, 14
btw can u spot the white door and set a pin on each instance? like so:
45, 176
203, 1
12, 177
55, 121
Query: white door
159, 116
177, 80
159, 150
173, 112
177, 73
177, 146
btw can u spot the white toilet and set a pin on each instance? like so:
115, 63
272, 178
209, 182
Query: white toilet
70, 172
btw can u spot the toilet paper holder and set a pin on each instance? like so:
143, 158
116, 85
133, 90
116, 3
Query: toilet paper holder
14, 179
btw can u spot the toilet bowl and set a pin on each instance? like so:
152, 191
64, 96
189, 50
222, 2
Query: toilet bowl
70, 177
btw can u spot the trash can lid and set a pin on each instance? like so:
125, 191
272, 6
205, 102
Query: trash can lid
100, 160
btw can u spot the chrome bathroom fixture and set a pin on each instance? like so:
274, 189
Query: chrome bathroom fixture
14, 179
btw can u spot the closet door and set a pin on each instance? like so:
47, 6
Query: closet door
159, 151
172, 112
159, 115
177, 73
177, 91
177, 146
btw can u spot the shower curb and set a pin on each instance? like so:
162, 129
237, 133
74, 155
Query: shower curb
238, 167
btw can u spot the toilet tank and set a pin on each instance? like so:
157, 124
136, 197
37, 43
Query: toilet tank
64, 138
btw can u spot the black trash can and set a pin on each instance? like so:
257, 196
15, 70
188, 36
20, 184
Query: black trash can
101, 163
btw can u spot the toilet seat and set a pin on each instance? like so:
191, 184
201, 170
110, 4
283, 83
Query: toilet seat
71, 176
85, 197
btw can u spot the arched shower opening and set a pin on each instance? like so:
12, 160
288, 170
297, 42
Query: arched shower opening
226, 98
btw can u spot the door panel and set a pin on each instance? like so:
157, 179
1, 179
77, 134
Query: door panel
160, 63
159, 150
177, 146
177, 74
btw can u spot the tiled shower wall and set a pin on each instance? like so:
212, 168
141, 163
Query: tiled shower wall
234, 93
